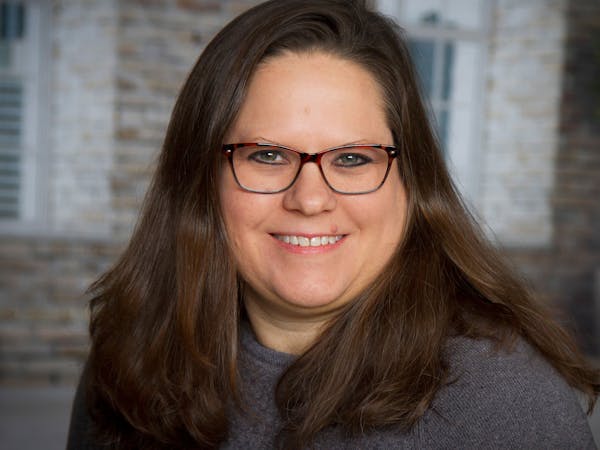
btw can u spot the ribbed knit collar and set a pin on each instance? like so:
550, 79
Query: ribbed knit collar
261, 354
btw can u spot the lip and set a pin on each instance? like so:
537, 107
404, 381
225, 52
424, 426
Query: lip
308, 250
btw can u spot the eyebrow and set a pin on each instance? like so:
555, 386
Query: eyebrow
274, 142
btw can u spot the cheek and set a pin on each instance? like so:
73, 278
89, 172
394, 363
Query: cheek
385, 212
236, 218
237, 225
232, 213
397, 220
243, 214
391, 226
232, 203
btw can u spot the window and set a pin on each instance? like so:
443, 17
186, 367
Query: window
447, 41
20, 98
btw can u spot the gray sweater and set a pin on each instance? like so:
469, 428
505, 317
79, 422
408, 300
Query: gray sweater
498, 401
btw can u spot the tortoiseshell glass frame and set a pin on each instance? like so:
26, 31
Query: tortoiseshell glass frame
228, 150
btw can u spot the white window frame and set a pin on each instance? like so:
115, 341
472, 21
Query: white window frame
33, 198
465, 163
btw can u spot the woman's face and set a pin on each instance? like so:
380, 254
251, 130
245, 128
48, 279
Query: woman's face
311, 102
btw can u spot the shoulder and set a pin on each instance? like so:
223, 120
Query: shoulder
81, 426
503, 399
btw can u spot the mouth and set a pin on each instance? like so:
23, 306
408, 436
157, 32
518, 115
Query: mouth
309, 241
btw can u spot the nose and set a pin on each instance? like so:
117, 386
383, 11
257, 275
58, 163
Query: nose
310, 194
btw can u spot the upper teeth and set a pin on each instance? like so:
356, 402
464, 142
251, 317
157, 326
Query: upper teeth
304, 241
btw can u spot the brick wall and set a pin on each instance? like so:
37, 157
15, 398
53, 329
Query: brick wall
43, 314
158, 43
82, 115
117, 67
43, 277
521, 126
565, 271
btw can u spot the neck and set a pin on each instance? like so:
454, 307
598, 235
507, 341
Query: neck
293, 335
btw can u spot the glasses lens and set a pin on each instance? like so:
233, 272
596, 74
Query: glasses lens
265, 168
353, 170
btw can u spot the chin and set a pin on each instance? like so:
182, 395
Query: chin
316, 303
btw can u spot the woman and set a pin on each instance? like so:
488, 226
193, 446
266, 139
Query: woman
304, 273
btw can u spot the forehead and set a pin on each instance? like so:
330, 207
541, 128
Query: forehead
311, 93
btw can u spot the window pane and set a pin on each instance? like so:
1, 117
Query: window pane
422, 52
447, 71
442, 120
435, 66
463, 72
446, 41
462, 104
460, 14
12, 21
422, 12
464, 13
11, 97
12, 29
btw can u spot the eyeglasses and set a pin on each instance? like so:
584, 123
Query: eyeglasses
350, 169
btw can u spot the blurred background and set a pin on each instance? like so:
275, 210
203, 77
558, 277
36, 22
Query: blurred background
86, 90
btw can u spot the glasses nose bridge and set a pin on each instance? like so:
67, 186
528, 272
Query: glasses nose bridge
310, 157
314, 158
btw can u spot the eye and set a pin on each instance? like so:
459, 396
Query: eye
268, 156
351, 159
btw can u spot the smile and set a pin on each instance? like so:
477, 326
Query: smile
304, 241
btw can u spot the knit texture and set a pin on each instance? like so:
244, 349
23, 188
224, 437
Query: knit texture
495, 400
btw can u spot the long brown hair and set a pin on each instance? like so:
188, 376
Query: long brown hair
165, 318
